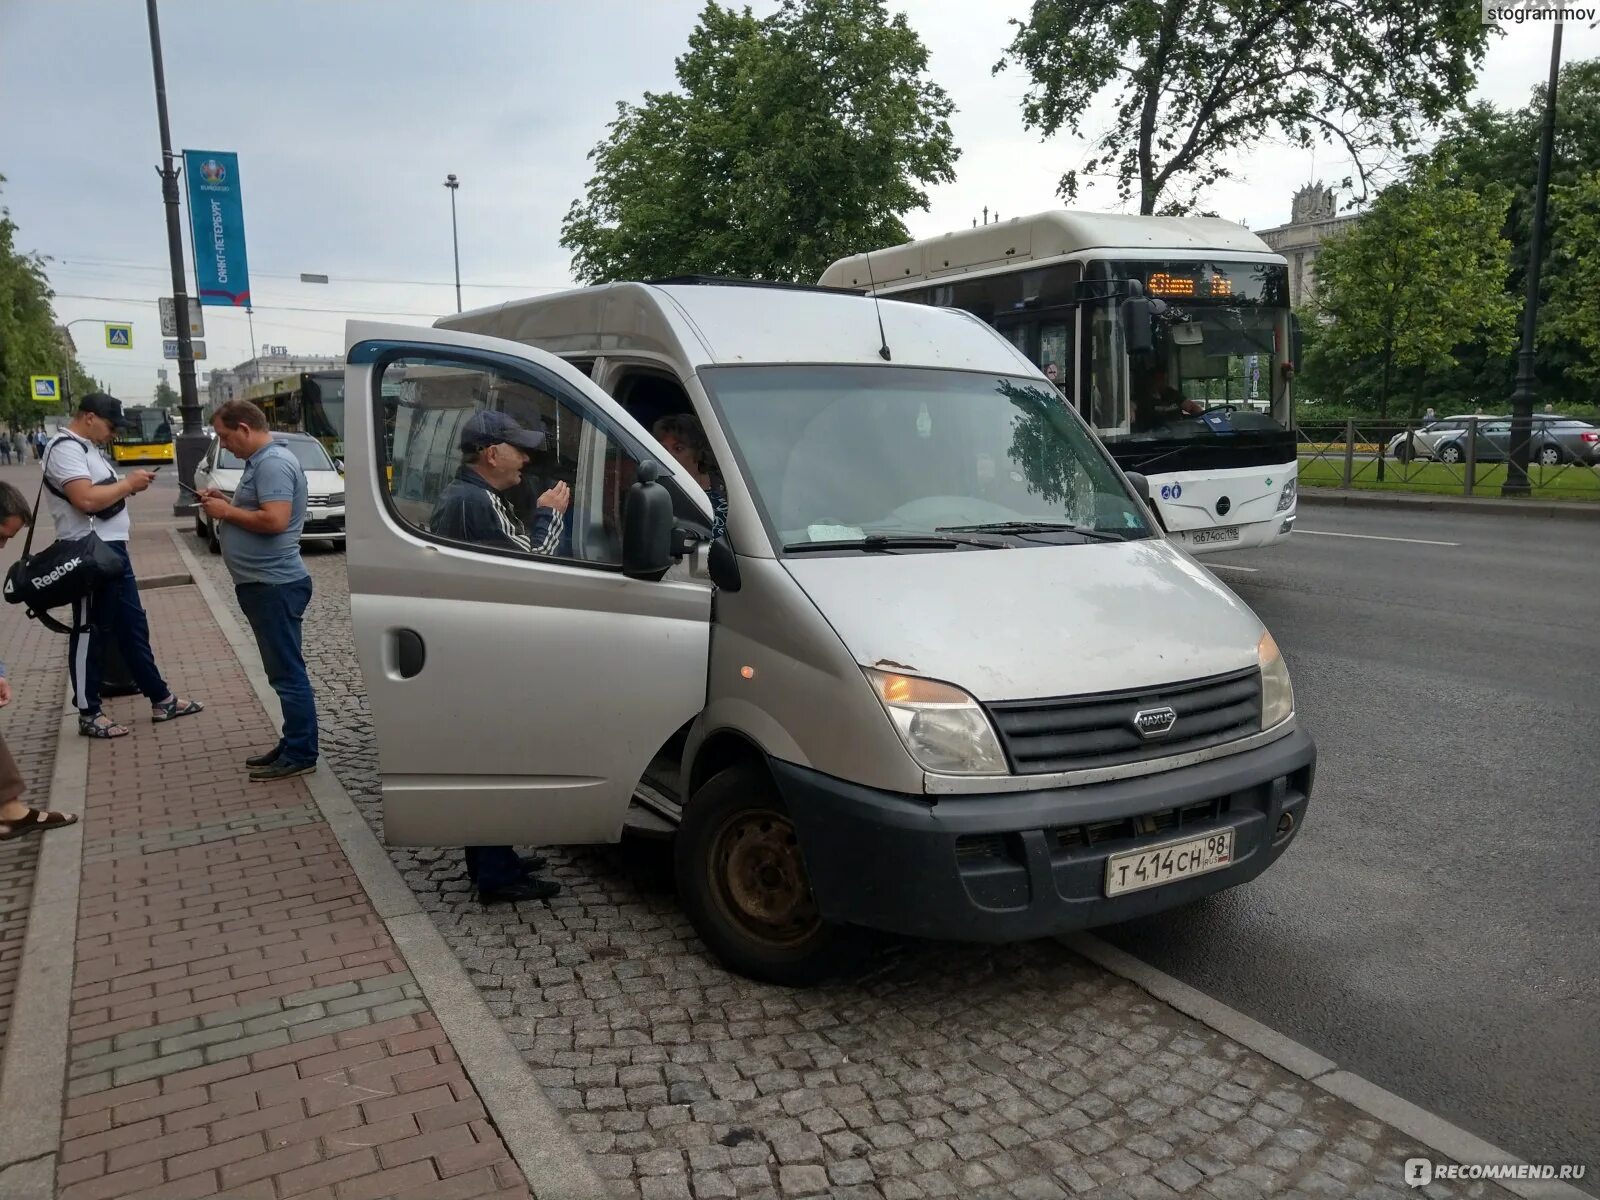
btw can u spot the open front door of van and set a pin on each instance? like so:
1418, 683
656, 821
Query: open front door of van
519, 682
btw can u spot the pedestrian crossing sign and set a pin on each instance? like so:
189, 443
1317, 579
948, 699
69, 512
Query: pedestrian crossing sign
45, 389
119, 337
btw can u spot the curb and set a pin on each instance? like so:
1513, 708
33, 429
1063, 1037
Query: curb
1354, 498
33, 1073
1432, 1131
535, 1133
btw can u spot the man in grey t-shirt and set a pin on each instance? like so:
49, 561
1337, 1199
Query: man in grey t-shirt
260, 534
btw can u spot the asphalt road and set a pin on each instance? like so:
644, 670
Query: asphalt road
1434, 928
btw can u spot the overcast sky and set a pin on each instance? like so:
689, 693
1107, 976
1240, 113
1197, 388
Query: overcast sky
347, 117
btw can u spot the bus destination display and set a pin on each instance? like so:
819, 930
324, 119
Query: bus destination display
1185, 285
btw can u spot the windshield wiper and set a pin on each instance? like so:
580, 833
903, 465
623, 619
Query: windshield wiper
1020, 527
879, 542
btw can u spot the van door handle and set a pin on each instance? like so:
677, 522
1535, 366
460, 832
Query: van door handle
409, 652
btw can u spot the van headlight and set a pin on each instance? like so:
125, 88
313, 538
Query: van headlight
1277, 693
944, 729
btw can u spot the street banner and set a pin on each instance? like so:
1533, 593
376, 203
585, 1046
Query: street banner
216, 213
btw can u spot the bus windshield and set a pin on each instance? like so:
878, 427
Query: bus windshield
1213, 366
322, 413
144, 426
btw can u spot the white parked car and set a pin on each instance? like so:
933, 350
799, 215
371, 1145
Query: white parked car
324, 484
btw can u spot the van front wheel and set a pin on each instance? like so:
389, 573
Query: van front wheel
743, 882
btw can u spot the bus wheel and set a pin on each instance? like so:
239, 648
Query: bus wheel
743, 882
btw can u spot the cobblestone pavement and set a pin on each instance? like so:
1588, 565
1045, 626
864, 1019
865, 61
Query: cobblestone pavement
948, 1070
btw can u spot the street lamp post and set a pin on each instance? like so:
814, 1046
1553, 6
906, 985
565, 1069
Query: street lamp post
191, 443
451, 182
1516, 483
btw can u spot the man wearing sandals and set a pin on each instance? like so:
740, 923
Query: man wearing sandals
87, 495
16, 818
259, 528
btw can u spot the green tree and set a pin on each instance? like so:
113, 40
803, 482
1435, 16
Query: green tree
793, 140
1573, 314
28, 341
166, 396
1194, 81
1486, 145
1420, 274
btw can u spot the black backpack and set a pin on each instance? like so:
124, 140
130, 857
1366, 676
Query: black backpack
64, 572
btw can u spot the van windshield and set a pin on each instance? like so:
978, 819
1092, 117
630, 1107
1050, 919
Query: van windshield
843, 453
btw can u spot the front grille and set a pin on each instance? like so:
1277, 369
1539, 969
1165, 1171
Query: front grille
1146, 825
325, 501
1077, 732
979, 848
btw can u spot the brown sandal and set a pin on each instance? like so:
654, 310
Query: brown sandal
35, 820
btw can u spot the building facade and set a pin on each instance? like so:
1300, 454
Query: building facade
272, 362
1313, 218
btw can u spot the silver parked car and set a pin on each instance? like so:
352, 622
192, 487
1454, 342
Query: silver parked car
875, 630
221, 469
1555, 440
1422, 443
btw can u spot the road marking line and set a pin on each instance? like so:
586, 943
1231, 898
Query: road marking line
1434, 1132
1372, 537
1228, 567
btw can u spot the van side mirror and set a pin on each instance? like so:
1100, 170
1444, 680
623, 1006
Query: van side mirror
1140, 485
646, 525
1296, 342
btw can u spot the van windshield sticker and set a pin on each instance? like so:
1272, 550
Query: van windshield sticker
835, 533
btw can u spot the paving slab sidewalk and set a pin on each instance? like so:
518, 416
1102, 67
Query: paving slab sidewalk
241, 1022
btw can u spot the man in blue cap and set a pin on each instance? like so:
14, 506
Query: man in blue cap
494, 452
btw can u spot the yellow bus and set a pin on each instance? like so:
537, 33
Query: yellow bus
145, 436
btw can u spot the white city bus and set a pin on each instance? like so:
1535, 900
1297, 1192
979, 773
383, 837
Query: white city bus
1172, 335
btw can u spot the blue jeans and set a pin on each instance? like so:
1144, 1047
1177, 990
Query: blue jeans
114, 612
491, 867
275, 611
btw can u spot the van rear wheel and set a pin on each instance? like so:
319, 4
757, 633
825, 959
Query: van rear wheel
743, 881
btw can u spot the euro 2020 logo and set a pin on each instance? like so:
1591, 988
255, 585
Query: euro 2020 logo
213, 172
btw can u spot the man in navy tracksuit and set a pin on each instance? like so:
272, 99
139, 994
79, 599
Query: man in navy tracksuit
494, 451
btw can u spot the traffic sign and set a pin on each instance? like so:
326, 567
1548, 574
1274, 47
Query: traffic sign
169, 348
119, 337
45, 389
169, 318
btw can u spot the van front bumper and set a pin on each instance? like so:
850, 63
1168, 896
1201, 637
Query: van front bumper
1016, 865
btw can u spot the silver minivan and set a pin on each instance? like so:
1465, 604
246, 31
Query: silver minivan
896, 647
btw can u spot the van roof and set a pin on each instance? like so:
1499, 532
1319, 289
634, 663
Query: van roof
720, 322
1038, 238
